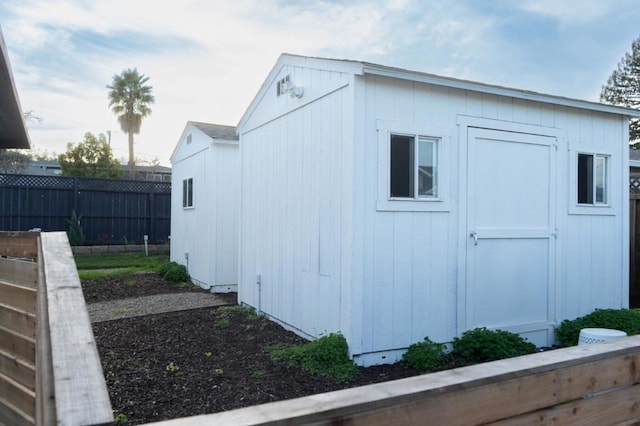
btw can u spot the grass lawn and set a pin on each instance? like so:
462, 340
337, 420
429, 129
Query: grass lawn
107, 264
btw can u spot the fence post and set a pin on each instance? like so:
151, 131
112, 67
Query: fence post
152, 216
76, 186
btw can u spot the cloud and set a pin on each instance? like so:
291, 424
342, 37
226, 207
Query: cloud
206, 60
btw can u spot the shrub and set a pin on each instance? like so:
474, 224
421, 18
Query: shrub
482, 345
625, 320
75, 233
424, 356
164, 267
173, 271
326, 356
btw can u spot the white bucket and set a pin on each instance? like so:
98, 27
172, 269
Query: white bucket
597, 335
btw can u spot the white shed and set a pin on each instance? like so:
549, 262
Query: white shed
205, 185
390, 205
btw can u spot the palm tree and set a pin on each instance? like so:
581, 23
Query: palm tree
129, 99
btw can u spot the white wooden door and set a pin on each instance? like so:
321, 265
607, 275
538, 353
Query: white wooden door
511, 232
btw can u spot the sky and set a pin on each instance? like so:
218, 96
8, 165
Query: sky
206, 59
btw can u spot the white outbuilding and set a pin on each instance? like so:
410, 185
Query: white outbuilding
204, 205
389, 205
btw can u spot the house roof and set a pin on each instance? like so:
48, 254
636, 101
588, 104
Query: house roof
364, 68
634, 157
13, 132
217, 131
148, 169
214, 131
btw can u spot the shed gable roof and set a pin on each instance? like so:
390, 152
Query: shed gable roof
217, 131
363, 68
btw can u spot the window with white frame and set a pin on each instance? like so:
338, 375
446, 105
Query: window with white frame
593, 179
413, 166
412, 172
187, 193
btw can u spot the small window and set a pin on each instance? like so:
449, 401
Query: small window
593, 173
187, 193
413, 167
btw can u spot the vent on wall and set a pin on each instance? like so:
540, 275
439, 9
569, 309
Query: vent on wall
283, 85
189, 138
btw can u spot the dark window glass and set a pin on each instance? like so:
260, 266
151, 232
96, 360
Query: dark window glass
402, 161
585, 179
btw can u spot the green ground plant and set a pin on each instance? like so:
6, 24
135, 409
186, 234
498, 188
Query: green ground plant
222, 324
425, 356
483, 345
121, 418
326, 356
227, 312
175, 272
568, 332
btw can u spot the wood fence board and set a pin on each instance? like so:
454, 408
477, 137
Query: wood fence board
81, 394
18, 344
17, 321
18, 396
19, 244
19, 370
471, 395
23, 298
615, 407
45, 392
10, 415
19, 272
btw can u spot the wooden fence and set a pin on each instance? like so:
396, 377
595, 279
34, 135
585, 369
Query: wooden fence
112, 211
50, 372
594, 384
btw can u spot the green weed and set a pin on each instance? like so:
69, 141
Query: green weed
326, 356
222, 324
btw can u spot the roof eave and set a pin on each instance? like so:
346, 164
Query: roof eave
496, 90
13, 131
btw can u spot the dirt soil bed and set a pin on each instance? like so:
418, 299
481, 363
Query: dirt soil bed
198, 361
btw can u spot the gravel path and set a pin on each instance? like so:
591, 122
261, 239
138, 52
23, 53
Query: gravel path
156, 304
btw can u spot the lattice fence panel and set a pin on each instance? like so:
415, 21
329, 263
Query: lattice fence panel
29, 181
634, 183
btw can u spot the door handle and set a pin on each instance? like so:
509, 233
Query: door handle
474, 235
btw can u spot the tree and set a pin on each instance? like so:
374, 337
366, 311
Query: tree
129, 99
13, 161
90, 158
623, 88
31, 117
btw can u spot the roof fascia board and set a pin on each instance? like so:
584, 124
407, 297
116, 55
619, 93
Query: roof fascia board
19, 138
340, 65
498, 90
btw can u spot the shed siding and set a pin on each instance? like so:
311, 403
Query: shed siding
411, 259
409, 280
190, 230
292, 216
207, 233
225, 203
332, 254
